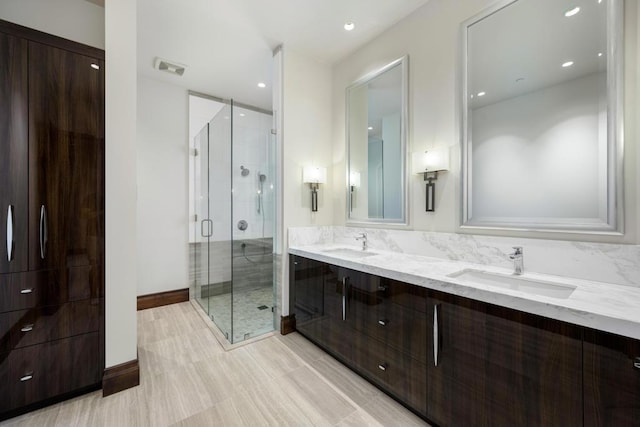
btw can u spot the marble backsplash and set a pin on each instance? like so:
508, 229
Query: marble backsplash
602, 262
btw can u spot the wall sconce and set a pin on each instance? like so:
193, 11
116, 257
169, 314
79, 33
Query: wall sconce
429, 164
314, 177
354, 182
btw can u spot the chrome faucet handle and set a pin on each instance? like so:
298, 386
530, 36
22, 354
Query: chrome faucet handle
362, 236
518, 251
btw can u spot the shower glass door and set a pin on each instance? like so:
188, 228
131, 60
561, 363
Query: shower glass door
232, 236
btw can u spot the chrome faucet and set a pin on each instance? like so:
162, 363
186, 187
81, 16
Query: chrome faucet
518, 260
363, 237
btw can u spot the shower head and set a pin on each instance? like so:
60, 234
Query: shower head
245, 171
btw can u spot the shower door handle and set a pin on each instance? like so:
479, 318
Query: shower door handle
209, 227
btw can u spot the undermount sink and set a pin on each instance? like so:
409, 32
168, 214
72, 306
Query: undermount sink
516, 283
348, 252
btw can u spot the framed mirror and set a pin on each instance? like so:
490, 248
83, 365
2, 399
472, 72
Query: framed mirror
376, 127
541, 119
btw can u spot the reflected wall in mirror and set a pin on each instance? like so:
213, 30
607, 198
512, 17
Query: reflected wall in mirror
376, 146
542, 116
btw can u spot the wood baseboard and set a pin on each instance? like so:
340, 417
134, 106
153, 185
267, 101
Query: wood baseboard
287, 324
163, 298
120, 377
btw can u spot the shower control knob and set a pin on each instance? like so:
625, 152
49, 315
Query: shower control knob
243, 225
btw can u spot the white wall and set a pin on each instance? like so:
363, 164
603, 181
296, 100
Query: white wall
430, 36
162, 171
121, 183
76, 20
306, 141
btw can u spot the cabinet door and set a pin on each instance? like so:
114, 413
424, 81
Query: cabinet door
611, 380
66, 143
14, 146
336, 331
500, 367
308, 295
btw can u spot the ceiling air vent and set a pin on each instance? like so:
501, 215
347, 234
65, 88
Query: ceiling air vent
169, 67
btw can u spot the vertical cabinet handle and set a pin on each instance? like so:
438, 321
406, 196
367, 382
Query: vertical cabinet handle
436, 336
43, 232
26, 377
10, 233
344, 298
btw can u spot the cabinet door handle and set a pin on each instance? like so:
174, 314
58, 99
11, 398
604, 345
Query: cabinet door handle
383, 322
435, 335
383, 366
44, 232
636, 363
10, 233
27, 328
344, 299
26, 377
26, 291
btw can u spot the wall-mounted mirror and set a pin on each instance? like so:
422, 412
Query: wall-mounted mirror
377, 147
542, 116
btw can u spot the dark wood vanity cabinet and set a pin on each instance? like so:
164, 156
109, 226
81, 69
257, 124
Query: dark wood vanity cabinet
611, 380
462, 362
493, 366
52, 218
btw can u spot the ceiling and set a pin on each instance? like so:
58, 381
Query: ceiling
521, 48
227, 44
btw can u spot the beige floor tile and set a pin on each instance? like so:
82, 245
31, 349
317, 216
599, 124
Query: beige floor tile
274, 357
302, 347
388, 412
359, 419
344, 379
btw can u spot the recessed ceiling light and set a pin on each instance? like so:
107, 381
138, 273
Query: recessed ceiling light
241, 114
599, 1
567, 64
262, 85
349, 26
572, 12
471, 96
599, 53
370, 128
95, 66
482, 93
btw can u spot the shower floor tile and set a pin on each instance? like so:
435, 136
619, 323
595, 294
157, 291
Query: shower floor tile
249, 319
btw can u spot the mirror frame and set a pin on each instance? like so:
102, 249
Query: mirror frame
615, 135
403, 62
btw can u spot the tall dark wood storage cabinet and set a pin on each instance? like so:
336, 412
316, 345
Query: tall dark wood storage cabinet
51, 218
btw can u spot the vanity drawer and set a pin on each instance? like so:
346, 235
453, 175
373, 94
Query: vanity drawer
399, 374
19, 291
38, 372
404, 294
37, 325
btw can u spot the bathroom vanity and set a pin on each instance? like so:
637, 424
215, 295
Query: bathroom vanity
459, 353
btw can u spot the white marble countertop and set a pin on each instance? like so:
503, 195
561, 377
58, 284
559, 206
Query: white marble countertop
597, 305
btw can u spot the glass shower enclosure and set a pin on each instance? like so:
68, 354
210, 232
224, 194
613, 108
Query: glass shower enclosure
232, 235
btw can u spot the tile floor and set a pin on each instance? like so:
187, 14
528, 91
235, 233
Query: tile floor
248, 320
188, 379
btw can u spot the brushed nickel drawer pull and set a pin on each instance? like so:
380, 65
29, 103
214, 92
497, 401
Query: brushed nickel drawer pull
27, 328
382, 288
382, 366
26, 291
27, 377
636, 363
383, 322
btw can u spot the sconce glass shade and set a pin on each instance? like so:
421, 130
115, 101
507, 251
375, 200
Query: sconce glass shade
314, 175
433, 160
354, 179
